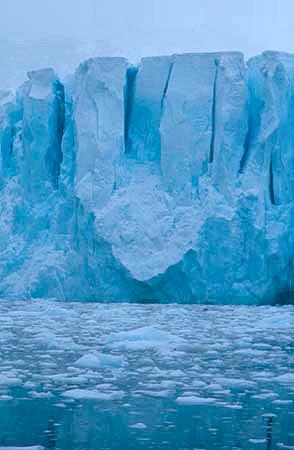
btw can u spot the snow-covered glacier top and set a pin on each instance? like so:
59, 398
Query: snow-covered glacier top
169, 181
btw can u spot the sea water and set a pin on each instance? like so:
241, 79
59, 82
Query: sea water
78, 376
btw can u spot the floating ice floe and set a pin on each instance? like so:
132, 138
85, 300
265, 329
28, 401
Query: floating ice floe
87, 394
9, 380
34, 447
138, 426
99, 361
287, 378
195, 400
142, 338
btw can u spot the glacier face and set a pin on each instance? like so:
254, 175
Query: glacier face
170, 181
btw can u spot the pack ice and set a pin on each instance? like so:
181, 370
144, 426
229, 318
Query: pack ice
170, 181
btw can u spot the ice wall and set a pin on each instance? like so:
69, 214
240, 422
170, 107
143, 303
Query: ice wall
170, 181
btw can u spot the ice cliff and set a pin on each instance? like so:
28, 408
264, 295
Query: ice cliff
170, 181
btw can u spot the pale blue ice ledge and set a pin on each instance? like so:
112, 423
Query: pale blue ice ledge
169, 182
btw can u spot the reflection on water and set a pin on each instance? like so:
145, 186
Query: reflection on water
147, 424
51, 441
269, 434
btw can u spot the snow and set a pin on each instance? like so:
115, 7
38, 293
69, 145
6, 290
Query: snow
168, 182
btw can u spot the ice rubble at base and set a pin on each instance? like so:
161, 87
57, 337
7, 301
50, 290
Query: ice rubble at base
171, 181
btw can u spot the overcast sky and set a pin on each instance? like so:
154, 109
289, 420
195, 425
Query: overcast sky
60, 32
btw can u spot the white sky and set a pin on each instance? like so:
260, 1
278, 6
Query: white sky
61, 32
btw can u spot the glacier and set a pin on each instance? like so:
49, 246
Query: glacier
169, 181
